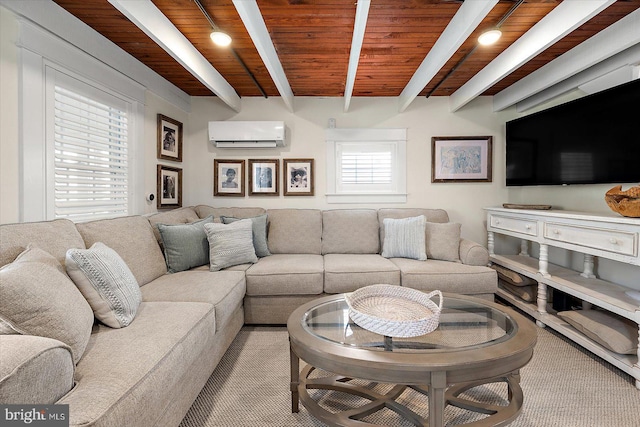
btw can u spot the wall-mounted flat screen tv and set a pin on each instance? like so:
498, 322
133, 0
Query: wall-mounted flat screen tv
592, 140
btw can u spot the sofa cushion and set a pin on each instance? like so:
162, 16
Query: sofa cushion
184, 215
185, 245
125, 368
405, 238
295, 231
613, 332
38, 298
237, 212
54, 237
512, 277
230, 244
350, 231
130, 237
348, 272
106, 283
432, 215
526, 293
259, 227
446, 276
443, 241
286, 274
223, 289
34, 370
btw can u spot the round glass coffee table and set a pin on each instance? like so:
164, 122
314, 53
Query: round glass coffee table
477, 342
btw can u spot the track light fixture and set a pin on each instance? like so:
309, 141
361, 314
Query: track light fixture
489, 37
220, 38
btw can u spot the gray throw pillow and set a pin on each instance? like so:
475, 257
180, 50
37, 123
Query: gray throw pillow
38, 298
259, 225
611, 331
404, 238
185, 245
230, 244
443, 241
106, 282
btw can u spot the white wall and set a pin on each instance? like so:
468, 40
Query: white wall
9, 148
306, 125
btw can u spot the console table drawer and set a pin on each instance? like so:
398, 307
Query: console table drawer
514, 224
619, 242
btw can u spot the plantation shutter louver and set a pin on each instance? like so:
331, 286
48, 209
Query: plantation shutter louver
90, 158
366, 167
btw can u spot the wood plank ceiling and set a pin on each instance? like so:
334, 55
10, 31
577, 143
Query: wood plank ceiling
313, 41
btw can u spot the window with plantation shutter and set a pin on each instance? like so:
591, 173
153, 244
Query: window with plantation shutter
90, 156
366, 165
81, 133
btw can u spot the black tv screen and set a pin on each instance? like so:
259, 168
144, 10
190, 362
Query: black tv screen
592, 140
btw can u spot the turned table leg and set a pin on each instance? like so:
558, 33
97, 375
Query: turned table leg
543, 263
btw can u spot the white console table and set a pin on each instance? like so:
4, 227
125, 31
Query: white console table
594, 235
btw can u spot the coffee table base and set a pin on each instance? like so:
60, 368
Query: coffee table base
497, 415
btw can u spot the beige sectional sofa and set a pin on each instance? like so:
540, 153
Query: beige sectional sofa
150, 372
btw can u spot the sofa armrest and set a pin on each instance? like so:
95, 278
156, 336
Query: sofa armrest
34, 370
472, 253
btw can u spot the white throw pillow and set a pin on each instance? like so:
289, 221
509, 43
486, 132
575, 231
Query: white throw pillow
106, 282
230, 244
405, 238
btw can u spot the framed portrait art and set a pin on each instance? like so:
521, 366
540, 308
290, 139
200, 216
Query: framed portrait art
263, 177
228, 178
461, 158
298, 179
169, 139
169, 187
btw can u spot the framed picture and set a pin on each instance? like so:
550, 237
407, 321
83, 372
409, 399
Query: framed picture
461, 158
169, 139
298, 177
263, 177
228, 178
169, 187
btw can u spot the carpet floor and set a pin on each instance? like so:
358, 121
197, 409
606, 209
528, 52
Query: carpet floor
563, 385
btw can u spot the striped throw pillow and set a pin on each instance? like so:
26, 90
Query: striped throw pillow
405, 238
230, 244
106, 283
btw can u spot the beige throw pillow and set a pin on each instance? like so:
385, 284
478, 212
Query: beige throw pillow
38, 298
230, 244
512, 277
443, 241
613, 332
106, 282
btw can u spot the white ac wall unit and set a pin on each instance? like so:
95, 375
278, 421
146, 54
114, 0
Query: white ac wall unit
247, 134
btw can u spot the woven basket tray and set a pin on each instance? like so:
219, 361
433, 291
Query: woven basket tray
394, 311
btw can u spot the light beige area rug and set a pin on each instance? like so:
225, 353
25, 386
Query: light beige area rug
564, 386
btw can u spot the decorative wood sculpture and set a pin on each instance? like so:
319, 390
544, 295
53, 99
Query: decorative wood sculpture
626, 203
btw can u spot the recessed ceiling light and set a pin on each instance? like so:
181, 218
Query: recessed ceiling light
489, 37
220, 38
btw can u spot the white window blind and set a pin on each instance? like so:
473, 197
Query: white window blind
90, 158
366, 165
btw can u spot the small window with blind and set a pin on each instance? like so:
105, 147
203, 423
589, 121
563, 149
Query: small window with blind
366, 165
90, 154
